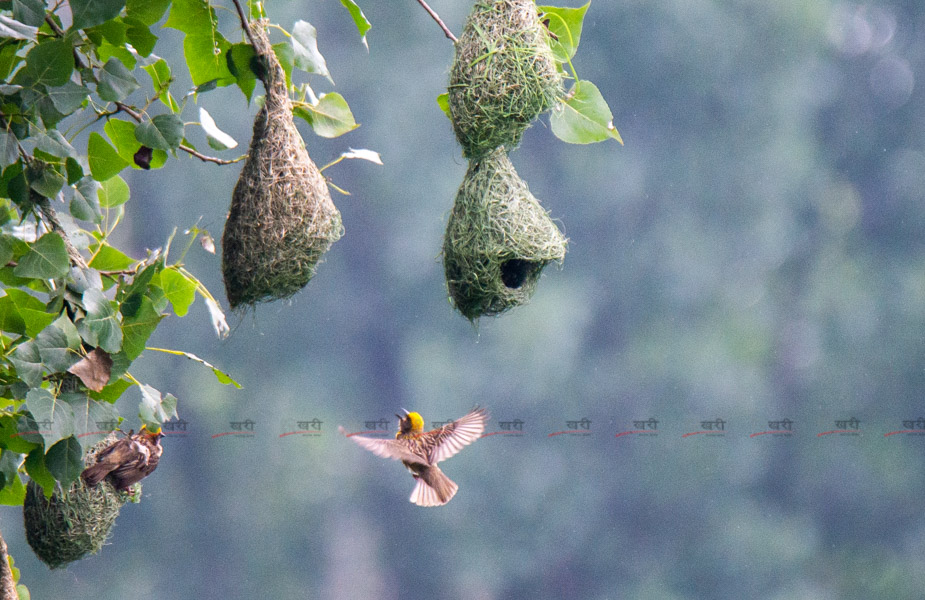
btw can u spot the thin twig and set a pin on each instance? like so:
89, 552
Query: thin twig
436, 18
244, 24
211, 159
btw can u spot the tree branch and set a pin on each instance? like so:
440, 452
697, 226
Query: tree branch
244, 24
435, 17
50, 217
7, 585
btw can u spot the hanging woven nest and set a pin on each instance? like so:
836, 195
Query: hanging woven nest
498, 240
76, 522
282, 219
503, 77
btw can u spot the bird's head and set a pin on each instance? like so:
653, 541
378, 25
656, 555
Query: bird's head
412, 422
154, 434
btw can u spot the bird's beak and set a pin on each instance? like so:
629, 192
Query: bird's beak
404, 410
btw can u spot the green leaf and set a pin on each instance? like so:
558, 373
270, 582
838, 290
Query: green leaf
305, 48
122, 134
148, 12
28, 363
112, 392
10, 319
88, 13
13, 494
104, 161
13, 29
113, 192
565, 28
140, 36
56, 350
239, 58
100, 327
330, 117
584, 117
163, 132
205, 58
9, 149
44, 179
65, 460
46, 259
107, 51
68, 97
116, 82
359, 19
443, 101
53, 416
55, 144
179, 289
91, 417
30, 12
38, 472
107, 258
154, 409
29, 309
137, 328
160, 75
48, 64
85, 204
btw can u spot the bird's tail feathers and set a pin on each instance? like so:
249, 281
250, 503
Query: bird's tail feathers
95, 474
433, 488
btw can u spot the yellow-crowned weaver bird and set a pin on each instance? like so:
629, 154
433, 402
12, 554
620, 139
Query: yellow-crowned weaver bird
420, 451
127, 461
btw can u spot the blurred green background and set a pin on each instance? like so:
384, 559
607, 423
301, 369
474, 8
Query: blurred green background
753, 253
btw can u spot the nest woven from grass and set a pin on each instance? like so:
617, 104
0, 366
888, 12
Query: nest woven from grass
73, 523
498, 240
282, 219
503, 76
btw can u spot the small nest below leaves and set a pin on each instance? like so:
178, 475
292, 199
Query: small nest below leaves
498, 240
503, 76
282, 219
73, 523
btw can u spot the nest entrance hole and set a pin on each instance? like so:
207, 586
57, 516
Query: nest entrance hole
514, 272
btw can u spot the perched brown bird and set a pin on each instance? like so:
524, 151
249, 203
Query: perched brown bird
127, 461
420, 452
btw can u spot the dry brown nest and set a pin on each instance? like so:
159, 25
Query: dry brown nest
282, 219
498, 240
503, 76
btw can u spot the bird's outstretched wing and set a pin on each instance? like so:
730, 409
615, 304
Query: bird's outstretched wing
386, 448
452, 437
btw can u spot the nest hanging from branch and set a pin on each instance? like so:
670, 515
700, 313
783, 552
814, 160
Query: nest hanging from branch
74, 522
498, 240
503, 76
282, 219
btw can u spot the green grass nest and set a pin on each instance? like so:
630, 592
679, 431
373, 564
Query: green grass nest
498, 240
76, 522
503, 76
282, 219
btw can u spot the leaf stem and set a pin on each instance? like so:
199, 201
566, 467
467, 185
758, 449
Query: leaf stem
244, 24
435, 17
